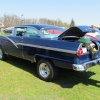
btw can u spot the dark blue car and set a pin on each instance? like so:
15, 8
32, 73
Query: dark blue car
64, 49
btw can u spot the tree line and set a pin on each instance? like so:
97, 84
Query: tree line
13, 20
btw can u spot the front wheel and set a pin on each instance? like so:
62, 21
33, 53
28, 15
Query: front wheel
46, 70
3, 56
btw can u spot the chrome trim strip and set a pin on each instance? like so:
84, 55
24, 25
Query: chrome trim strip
48, 48
43, 47
11, 41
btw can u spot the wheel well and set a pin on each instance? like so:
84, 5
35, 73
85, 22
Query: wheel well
37, 58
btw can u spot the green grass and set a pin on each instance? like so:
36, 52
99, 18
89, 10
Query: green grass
19, 81
3, 33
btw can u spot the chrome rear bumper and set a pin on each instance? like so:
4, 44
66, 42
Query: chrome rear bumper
84, 66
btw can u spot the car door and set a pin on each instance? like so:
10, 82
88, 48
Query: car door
15, 39
29, 38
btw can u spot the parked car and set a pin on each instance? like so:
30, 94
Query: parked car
8, 29
69, 50
95, 35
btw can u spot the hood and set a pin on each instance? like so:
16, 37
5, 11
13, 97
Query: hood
78, 31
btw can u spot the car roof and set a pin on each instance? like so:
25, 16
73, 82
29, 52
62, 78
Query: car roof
40, 26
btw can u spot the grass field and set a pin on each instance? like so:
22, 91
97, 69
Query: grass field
3, 33
19, 81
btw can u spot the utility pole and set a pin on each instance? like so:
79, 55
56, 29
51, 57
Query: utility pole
22, 18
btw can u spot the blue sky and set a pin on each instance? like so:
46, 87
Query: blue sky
84, 12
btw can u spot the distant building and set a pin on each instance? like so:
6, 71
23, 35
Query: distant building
1, 25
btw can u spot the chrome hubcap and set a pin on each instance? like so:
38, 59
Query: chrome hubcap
44, 70
1, 54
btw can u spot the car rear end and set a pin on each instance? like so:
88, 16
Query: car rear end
88, 55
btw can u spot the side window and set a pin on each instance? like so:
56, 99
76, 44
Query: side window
31, 32
20, 31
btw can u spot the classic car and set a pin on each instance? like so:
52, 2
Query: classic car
8, 29
70, 49
94, 35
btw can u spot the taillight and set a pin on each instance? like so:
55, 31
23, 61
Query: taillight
79, 52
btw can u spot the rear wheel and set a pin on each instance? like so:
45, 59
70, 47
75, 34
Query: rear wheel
3, 56
46, 70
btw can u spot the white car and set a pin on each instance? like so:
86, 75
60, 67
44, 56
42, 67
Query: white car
8, 29
94, 36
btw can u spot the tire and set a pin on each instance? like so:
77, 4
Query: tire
46, 70
3, 56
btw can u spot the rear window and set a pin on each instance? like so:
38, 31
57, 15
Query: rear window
53, 31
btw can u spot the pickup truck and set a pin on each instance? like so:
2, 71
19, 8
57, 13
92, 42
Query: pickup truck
69, 49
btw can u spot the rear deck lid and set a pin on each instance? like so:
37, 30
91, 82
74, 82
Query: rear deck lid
78, 31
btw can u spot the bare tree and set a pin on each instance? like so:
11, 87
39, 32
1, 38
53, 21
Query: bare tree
12, 20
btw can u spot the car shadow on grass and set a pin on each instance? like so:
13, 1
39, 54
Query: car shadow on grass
70, 78
23, 64
66, 78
